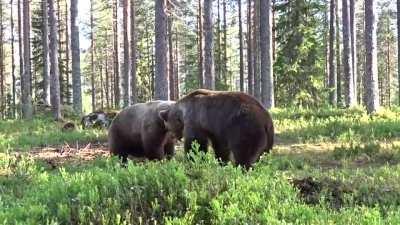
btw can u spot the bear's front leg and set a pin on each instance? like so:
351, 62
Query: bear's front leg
191, 135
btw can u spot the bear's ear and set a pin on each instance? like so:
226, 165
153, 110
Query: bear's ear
163, 114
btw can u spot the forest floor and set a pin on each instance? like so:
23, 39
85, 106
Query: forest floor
328, 166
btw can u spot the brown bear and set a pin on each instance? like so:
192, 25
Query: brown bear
234, 122
139, 131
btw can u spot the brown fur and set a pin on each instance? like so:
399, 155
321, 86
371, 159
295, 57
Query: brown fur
234, 122
138, 131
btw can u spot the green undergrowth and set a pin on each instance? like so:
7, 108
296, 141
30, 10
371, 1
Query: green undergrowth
311, 177
41, 132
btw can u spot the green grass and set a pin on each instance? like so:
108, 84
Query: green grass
350, 162
41, 132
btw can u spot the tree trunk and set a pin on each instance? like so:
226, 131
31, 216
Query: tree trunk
171, 75
117, 93
133, 54
209, 76
371, 73
241, 63
67, 76
331, 61
108, 82
200, 45
256, 51
218, 48
250, 57
176, 84
2, 75
13, 62
225, 39
347, 59
353, 30
267, 80
101, 86
92, 49
54, 73
338, 56
60, 52
45, 44
20, 46
26, 96
161, 74
125, 66
398, 46
76, 59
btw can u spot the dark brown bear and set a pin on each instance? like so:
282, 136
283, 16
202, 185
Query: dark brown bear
139, 131
234, 122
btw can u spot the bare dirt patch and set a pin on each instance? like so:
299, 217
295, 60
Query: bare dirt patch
59, 155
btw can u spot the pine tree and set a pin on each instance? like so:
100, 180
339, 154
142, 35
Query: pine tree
76, 58
371, 73
54, 68
26, 96
161, 74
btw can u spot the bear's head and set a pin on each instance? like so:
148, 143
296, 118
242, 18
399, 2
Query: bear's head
173, 121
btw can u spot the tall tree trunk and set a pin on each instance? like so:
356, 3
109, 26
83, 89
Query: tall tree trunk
225, 47
218, 48
250, 57
161, 74
241, 63
133, 54
353, 30
125, 66
371, 73
398, 47
76, 59
60, 52
45, 45
332, 62
200, 44
176, 84
20, 45
256, 51
92, 52
26, 96
273, 31
101, 86
338, 56
67, 87
209, 76
2, 75
107, 84
54, 73
347, 59
267, 79
117, 93
171, 72
13, 61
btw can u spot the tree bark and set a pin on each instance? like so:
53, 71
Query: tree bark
338, 57
161, 74
332, 62
13, 62
54, 73
250, 63
67, 57
20, 46
347, 59
176, 84
241, 63
125, 66
225, 39
76, 59
209, 75
26, 96
92, 52
256, 51
45, 45
117, 93
267, 80
398, 46
353, 30
371, 73
200, 45
2, 70
171, 75
133, 54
